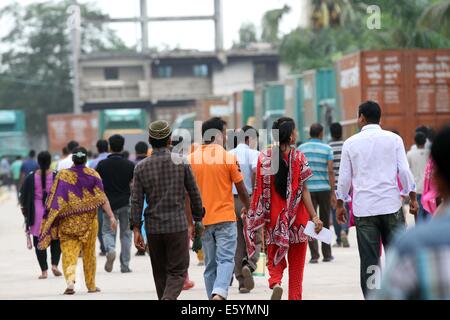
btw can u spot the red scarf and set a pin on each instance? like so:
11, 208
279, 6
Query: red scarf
259, 212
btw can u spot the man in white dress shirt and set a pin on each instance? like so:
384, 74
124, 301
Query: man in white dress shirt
371, 163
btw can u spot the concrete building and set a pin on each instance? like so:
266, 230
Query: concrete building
168, 84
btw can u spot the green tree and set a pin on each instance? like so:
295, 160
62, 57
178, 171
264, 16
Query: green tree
35, 73
437, 17
271, 24
247, 35
404, 24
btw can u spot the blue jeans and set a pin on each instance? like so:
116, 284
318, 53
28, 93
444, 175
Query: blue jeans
122, 216
219, 246
422, 215
100, 228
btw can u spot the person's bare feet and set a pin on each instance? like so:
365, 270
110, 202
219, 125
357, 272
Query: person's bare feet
56, 272
44, 275
97, 289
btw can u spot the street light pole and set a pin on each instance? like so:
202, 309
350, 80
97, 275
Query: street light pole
74, 24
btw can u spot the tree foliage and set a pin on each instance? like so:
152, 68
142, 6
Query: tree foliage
35, 69
404, 24
247, 35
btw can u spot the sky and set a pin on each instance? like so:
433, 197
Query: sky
191, 34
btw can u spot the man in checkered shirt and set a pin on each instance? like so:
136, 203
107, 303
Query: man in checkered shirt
163, 179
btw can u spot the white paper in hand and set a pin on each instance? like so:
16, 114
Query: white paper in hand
325, 235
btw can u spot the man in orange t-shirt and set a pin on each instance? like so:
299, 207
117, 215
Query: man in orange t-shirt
216, 171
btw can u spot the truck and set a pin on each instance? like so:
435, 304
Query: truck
13, 135
130, 123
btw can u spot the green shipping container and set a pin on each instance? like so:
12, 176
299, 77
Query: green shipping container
248, 106
273, 97
316, 100
13, 135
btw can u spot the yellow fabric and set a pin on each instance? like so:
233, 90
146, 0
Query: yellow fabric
74, 213
200, 256
215, 171
71, 248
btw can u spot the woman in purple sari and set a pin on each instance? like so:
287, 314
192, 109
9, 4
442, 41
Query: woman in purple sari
71, 217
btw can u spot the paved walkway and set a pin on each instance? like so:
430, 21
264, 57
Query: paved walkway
19, 271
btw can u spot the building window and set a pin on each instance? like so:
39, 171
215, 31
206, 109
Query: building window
111, 73
164, 71
200, 70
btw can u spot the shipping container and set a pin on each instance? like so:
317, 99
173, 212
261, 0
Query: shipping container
411, 86
244, 106
315, 100
13, 135
171, 113
217, 107
62, 128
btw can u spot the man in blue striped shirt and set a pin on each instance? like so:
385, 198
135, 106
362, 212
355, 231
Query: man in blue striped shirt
320, 185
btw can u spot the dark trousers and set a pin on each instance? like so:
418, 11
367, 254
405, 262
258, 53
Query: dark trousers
41, 255
371, 233
17, 185
100, 228
169, 255
240, 258
322, 200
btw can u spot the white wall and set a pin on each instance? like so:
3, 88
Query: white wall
233, 77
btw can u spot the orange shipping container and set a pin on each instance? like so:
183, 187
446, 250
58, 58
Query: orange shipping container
411, 86
63, 128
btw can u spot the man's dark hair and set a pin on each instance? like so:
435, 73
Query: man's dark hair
141, 147
65, 151
176, 141
440, 152
159, 143
213, 123
422, 129
420, 139
315, 130
126, 154
72, 145
247, 128
336, 131
32, 154
102, 146
371, 112
116, 143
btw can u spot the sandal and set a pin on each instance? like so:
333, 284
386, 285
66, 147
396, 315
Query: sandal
97, 289
69, 291
41, 277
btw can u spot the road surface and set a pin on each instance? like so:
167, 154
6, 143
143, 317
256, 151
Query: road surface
19, 271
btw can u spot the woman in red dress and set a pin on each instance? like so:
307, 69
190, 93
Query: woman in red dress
282, 204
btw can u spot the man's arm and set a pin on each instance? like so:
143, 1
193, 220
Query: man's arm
344, 184
406, 177
331, 177
137, 204
195, 203
243, 194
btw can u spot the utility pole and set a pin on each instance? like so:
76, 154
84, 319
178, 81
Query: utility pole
144, 26
74, 24
144, 20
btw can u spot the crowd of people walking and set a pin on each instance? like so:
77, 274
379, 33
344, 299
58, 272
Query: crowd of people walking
245, 204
